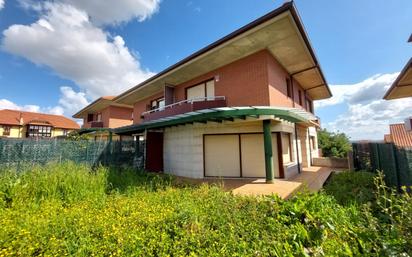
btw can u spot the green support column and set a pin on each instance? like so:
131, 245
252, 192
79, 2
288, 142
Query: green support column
267, 138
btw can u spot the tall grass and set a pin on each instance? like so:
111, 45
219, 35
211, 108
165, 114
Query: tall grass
73, 210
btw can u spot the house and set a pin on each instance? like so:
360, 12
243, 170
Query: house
21, 124
400, 134
402, 86
240, 107
102, 115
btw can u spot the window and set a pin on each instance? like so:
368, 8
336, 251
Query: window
6, 130
99, 117
158, 103
312, 143
289, 87
90, 117
65, 132
38, 131
201, 91
300, 98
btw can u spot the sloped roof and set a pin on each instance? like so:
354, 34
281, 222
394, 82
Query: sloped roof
400, 136
281, 32
402, 86
98, 105
387, 138
12, 117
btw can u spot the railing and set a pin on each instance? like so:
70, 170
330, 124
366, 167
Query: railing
185, 106
95, 124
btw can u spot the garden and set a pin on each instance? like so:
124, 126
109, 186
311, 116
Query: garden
75, 210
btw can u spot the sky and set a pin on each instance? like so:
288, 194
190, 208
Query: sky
58, 56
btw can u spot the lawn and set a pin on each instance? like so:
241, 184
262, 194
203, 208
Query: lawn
69, 209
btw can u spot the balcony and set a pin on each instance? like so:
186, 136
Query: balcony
184, 107
94, 124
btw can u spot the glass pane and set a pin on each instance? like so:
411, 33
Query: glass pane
196, 92
210, 89
161, 103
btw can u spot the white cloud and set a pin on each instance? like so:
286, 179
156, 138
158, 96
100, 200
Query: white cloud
371, 88
2, 2
367, 116
64, 39
69, 103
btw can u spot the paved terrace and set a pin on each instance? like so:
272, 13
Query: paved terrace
311, 179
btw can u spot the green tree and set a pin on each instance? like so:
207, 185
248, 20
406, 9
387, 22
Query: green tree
333, 144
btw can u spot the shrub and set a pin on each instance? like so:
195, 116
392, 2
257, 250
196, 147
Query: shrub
351, 187
333, 144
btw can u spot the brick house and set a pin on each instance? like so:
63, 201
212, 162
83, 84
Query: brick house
240, 107
21, 124
400, 134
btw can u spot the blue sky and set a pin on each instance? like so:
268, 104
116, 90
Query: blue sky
361, 46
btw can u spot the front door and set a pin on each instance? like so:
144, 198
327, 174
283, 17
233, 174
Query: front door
154, 151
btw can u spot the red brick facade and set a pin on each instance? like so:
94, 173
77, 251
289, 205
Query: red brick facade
256, 80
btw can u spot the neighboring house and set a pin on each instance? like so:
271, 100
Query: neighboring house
20, 124
400, 134
240, 107
104, 113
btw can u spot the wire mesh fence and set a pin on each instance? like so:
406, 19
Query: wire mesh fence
394, 162
24, 152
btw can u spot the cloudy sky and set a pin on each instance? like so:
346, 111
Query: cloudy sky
58, 55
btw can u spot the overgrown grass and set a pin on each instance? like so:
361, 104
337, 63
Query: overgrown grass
351, 187
71, 210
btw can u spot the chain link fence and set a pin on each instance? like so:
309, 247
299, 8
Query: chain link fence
24, 152
394, 162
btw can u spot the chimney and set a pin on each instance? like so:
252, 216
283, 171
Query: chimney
408, 124
21, 121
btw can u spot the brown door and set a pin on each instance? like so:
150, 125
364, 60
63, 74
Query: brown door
154, 151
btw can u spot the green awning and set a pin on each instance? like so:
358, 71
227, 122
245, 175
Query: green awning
93, 130
294, 115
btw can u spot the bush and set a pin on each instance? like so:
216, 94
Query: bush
102, 212
333, 144
351, 187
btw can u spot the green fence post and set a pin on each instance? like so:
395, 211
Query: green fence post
267, 138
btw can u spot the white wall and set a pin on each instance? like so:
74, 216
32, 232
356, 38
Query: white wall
183, 145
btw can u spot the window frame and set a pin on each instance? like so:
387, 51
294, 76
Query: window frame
204, 83
38, 131
157, 102
90, 117
6, 130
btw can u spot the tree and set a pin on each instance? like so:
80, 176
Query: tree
333, 144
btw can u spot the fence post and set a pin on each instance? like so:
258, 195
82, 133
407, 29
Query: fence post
395, 158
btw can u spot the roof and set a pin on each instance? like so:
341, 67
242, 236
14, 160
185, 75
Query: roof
410, 39
402, 86
281, 32
294, 115
12, 117
387, 138
400, 137
98, 105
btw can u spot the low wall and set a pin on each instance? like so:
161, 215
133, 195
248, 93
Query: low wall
331, 162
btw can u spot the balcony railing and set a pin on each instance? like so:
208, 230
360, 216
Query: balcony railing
95, 124
184, 107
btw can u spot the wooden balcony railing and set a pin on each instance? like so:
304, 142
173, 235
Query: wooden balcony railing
184, 107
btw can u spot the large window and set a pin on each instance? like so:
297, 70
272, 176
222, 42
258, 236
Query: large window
6, 130
90, 117
38, 131
201, 91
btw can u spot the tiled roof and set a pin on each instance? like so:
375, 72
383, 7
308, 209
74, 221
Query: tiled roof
12, 117
400, 136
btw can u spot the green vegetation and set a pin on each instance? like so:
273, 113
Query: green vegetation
69, 209
333, 144
350, 187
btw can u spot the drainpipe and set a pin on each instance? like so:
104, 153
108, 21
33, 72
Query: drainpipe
267, 139
297, 148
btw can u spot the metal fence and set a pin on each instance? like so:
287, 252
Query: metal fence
394, 162
23, 152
